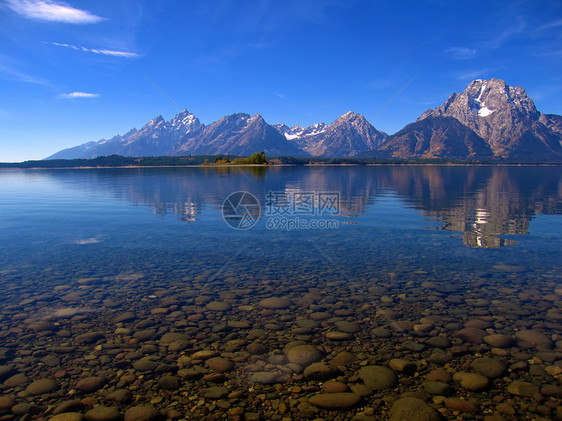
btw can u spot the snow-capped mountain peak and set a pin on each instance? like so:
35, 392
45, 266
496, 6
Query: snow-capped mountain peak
488, 120
351, 133
298, 132
186, 123
156, 121
504, 116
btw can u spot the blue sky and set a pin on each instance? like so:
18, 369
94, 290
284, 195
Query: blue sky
81, 70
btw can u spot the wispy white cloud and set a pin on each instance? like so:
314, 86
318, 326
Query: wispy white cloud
550, 51
105, 52
549, 25
76, 95
52, 11
421, 102
472, 74
514, 28
491, 40
461, 53
263, 27
383, 83
126, 54
15, 74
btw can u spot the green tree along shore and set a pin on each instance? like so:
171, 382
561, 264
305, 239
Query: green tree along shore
113, 161
255, 159
151, 161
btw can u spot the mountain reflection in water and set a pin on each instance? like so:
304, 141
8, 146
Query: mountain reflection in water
482, 203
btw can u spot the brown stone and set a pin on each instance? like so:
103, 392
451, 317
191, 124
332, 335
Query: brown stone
335, 400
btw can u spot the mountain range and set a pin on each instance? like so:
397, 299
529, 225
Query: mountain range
489, 120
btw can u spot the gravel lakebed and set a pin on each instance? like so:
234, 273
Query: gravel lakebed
397, 345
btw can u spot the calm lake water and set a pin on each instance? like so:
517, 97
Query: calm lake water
365, 264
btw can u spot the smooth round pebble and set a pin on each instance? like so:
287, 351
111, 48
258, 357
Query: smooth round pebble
204, 354
142, 413
264, 377
42, 386
499, 341
304, 355
533, 337
218, 306
472, 334
347, 327
275, 303
120, 395
378, 377
471, 381
521, 388
102, 413
168, 338
439, 375
67, 416
381, 332
439, 342
438, 388
320, 371
215, 392
412, 409
91, 384
219, 364
16, 380
73, 405
335, 400
6, 402
403, 366
338, 336
489, 367
169, 382
334, 387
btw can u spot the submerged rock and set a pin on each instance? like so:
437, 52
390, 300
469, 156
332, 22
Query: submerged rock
489, 367
335, 400
499, 341
412, 409
471, 381
378, 377
91, 384
40, 387
142, 413
522, 388
533, 337
275, 303
304, 355
102, 413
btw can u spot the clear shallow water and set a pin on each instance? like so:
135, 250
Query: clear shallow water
482, 214
446, 243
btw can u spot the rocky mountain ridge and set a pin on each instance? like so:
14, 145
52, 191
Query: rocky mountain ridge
489, 120
505, 117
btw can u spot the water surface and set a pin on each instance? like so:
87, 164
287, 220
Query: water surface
420, 251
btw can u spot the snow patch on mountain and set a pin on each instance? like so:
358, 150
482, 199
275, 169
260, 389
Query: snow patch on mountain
485, 111
298, 132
